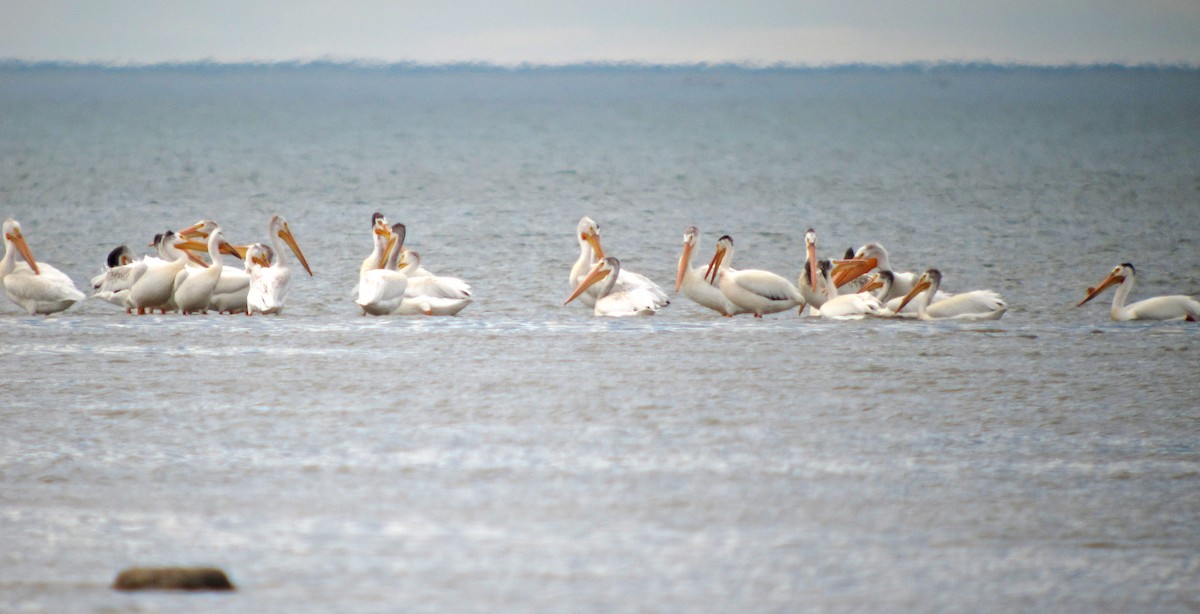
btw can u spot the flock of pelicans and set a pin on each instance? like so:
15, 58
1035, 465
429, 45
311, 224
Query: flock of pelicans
392, 281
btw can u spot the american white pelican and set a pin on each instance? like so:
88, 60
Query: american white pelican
974, 305
194, 285
843, 306
381, 290
693, 283
880, 286
615, 303
868, 257
1176, 307
121, 272
154, 288
431, 295
379, 250
268, 283
229, 295
758, 292
811, 287
36, 288
587, 232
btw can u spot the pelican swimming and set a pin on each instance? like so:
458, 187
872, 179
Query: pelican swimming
587, 233
38, 288
193, 288
692, 281
758, 292
843, 306
974, 305
268, 283
381, 290
880, 286
1176, 307
431, 295
611, 302
121, 272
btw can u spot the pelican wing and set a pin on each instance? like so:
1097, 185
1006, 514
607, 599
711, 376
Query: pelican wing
766, 284
975, 305
1177, 307
441, 287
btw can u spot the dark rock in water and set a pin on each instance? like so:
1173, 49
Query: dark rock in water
172, 578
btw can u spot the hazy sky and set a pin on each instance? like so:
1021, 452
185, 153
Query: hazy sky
562, 31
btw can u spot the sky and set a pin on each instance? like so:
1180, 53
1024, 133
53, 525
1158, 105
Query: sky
795, 32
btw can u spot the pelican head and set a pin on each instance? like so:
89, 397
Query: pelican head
203, 228
1117, 276
259, 254
724, 247
870, 256
279, 228
690, 237
588, 232
603, 268
14, 237
929, 280
120, 256
882, 279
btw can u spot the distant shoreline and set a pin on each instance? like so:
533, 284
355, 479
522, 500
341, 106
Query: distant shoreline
15, 65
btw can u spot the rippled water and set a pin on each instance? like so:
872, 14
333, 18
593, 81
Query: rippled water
526, 456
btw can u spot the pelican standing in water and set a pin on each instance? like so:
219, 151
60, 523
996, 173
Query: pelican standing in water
1176, 307
269, 283
974, 305
229, 295
154, 288
381, 290
810, 284
36, 288
193, 288
611, 302
758, 292
587, 233
692, 281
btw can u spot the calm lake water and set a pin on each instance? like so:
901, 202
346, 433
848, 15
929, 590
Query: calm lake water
526, 456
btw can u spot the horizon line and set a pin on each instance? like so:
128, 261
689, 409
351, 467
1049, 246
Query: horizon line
748, 66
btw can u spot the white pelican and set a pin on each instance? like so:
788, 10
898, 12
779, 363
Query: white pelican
587, 232
268, 283
153, 290
610, 303
868, 257
880, 285
379, 251
843, 306
36, 288
121, 272
974, 305
194, 285
758, 292
265, 294
1176, 307
430, 295
811, 287
229, 295
381, 290
693, 283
